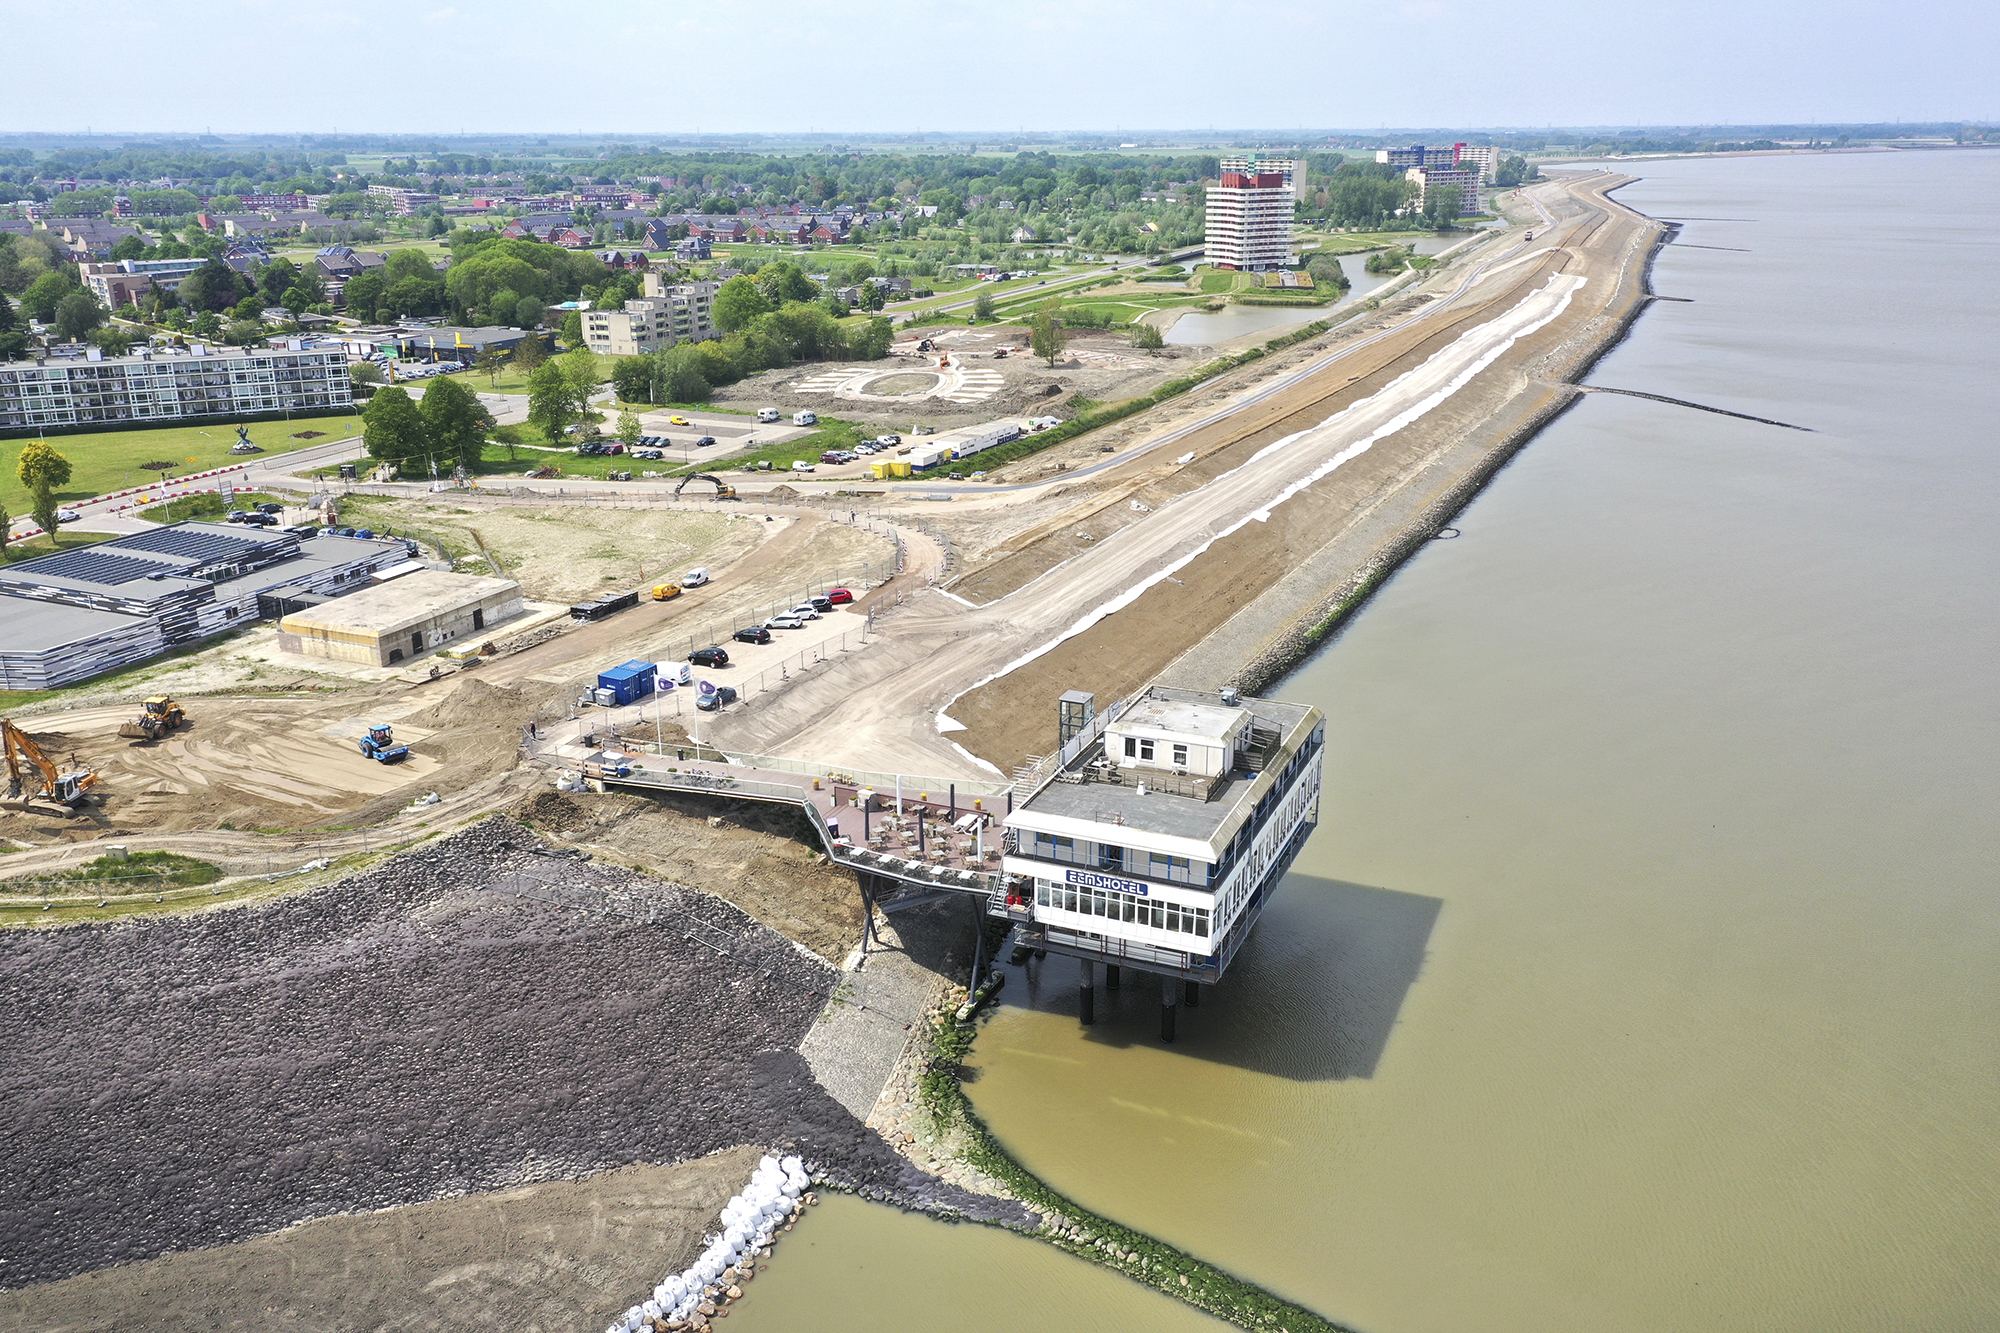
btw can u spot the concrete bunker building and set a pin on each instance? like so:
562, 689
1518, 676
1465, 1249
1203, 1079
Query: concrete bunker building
400, 619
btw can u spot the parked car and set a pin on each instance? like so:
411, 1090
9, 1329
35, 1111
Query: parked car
804, 611
614, 448
696, 577
235, 516
784, 622
703, 441
924, 430
832, 456
820, 604
665, 592
678, 421
752, 634
260, 520
889, 439
343, 532
802, 466
270, 507
839, 596
866, 447
711, 656
767, 414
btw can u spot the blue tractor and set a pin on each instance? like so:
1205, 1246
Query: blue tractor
380, 745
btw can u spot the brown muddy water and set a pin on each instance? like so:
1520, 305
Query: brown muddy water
1644, 969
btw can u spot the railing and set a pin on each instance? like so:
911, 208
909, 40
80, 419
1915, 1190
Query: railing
1128, 950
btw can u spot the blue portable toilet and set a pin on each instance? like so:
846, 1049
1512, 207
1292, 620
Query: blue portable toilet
629, 681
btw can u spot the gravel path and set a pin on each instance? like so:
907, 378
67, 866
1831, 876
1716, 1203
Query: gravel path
474, 1015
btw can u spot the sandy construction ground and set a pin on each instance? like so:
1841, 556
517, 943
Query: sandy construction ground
565, 553
1159, 553
543, 1258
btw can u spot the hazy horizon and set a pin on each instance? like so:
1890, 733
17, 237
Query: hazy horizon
434, 67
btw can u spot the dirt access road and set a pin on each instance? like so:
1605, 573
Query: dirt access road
1371, 428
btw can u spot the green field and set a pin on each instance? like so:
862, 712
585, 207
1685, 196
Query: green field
102, 461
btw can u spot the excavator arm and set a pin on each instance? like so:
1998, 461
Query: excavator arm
24, 757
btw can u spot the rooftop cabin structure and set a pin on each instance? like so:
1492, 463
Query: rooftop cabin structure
1161, 829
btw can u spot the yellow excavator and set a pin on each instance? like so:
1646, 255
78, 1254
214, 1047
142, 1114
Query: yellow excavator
32, 776
160, 715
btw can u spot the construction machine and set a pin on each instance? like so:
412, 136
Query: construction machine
160, 715
380, 745
32, 776
723, 490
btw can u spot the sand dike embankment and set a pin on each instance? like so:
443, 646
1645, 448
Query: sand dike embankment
475, 1015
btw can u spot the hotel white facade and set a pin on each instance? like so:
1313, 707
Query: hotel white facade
1165, 828
1250, 215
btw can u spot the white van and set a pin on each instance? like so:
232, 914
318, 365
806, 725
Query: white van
696, 577
767, 414
805, 418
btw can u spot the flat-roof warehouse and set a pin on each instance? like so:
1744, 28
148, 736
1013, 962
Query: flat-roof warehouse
77, 613
401, 619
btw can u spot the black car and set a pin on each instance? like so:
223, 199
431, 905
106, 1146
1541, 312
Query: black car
704, 441
752, 634
709, 657
820, 604
261, 520
269, 508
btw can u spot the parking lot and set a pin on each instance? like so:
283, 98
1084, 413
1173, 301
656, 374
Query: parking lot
733, 434
754, 669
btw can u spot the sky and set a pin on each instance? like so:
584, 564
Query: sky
720, 66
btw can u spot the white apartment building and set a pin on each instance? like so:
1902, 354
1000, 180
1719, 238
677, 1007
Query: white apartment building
119, 282
1167, 824
1465, 179
668, 313
1250, 215
171, 385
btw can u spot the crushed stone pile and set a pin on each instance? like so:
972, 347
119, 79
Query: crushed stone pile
477, 1014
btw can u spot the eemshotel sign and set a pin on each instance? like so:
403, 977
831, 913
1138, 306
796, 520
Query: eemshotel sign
1090, 879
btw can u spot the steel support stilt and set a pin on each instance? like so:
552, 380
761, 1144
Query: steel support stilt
1111, 976
1086, 994
1191, 992
1167, 998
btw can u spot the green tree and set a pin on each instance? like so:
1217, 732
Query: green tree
784, 281
365, 293
554, 402
45, 293
112, 339
572, 325
739, 302
214, 286
681, 374
982, 306
530, 352
6, 529
455, 423
489, 363
41, 470
13, 338
1327, 274
76, 315
1147, 338
393, 428
632, 378
278, 276
629, 429
1046, 334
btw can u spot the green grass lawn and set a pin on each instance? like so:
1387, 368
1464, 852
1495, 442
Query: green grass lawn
207, 506
102, 461
1215, 283
18, 549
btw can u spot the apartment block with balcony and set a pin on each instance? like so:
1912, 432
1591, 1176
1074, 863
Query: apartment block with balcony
194, 383
667, 314
1250, 215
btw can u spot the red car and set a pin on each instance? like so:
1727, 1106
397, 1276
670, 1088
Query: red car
839, 596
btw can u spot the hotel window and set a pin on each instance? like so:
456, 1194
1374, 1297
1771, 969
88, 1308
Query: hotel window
1145, 749
1110, 857
1180, 756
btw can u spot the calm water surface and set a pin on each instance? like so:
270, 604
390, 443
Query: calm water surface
1644, 969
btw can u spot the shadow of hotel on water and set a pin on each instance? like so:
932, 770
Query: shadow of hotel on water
1312, 996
